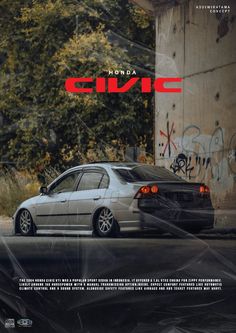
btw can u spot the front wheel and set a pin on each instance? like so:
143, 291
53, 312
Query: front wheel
105, 225
25, 223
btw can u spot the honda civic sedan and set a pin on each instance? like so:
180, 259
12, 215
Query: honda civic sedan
108, 198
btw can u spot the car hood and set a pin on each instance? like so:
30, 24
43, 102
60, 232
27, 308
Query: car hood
29, 202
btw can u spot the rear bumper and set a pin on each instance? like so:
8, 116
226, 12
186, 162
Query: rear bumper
184, 219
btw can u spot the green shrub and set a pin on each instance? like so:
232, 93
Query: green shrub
15, 188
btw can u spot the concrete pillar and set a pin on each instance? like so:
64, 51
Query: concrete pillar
196, 131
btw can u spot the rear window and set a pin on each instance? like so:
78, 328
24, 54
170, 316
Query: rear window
146, 173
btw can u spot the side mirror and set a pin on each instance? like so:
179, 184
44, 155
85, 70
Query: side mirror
43, 190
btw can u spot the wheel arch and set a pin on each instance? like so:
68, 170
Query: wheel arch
16, 225
97, 212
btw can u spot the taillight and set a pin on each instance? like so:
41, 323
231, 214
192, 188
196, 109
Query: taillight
154, 189
146, 191
203, 189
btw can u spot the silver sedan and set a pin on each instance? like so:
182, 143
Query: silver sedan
106, 198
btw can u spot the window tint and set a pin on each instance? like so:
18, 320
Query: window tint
146, 173
66, 184
104, 182
90, 181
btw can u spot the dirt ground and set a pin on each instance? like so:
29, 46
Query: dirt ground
5, 225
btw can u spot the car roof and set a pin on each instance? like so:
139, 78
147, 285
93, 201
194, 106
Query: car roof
116, 163
105, 165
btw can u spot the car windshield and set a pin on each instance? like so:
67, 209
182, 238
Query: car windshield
146, 173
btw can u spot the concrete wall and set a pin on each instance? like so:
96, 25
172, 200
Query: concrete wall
196, 130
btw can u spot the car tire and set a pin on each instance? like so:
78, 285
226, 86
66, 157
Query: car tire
105, 224
25, 224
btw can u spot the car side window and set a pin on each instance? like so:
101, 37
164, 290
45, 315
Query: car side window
104, 181
66, 184
90, 181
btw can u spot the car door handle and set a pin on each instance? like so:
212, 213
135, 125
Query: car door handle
97, 197
64, 200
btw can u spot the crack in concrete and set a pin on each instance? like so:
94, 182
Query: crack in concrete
209, 70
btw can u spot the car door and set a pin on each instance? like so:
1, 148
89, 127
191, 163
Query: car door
52, 208
89, 194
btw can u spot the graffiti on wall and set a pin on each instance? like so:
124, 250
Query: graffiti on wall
206, 152
203, 157
232, 154
182, 164
169, 141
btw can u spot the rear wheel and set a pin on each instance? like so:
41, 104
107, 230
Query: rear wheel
105, 224
25, 223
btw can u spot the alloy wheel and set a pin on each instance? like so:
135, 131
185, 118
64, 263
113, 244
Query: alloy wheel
105, 221
25, 222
